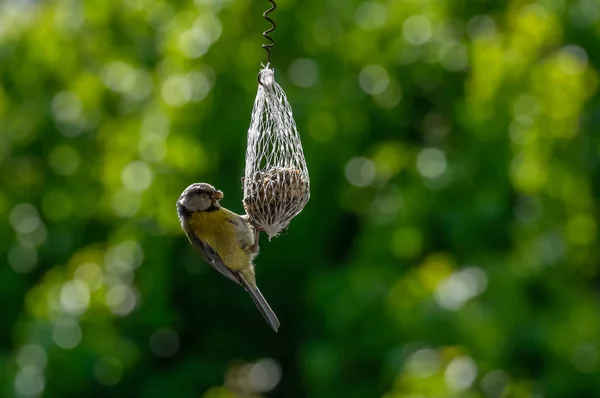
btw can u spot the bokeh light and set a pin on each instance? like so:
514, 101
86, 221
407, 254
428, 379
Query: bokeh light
449, 248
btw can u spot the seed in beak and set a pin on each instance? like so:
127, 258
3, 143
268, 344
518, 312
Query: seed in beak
218, 195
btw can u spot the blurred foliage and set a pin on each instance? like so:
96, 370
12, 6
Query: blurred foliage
449, 249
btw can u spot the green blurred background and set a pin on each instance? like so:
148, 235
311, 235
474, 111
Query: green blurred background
449, 249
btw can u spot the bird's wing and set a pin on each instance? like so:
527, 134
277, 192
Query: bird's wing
210, 256
243, 229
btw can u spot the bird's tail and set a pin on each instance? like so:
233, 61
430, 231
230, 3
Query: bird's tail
261, 304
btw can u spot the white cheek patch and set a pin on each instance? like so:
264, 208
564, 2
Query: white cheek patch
196, 202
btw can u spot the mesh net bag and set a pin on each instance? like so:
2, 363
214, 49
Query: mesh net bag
276, 182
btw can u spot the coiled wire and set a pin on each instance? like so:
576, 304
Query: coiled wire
266, 34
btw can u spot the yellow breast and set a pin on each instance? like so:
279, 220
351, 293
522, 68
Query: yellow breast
214, 228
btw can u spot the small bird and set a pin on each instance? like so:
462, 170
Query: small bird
224, 239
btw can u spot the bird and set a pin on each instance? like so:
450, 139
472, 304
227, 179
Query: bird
224, 239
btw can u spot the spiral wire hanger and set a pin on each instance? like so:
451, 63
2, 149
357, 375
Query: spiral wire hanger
266, 35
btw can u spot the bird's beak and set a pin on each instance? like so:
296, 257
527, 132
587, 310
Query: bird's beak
218, 195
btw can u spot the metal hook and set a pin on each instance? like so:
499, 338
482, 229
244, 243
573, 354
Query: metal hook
268, 47
266, 35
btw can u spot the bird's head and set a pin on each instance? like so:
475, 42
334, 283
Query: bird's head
200, 197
